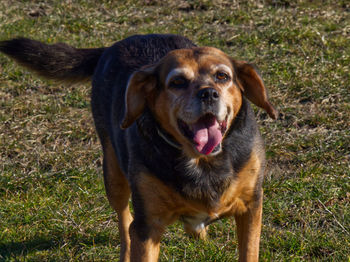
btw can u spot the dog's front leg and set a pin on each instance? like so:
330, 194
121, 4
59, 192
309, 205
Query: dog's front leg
154, 209
248, 232
145, 241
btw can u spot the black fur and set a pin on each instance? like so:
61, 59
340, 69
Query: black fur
57, 61
139, 148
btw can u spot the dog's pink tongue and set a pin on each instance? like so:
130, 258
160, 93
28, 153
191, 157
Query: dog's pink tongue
207, 134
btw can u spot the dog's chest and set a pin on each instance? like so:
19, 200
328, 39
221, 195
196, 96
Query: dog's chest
199, 221
231, 202
234, 199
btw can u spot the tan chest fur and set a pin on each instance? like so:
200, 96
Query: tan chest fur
165, 205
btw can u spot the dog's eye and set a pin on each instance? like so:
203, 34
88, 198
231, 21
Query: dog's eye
178, 82
222, 76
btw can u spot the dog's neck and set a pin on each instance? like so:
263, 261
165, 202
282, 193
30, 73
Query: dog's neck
149, 129
166, 137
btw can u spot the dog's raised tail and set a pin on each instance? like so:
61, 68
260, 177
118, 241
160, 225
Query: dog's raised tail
59, 61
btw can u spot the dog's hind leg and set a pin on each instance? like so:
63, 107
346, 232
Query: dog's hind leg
118, 193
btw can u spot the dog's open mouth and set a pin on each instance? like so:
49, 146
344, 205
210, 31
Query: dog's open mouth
206, 133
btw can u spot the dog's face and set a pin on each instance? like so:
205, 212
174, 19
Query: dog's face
195, 95
199, 98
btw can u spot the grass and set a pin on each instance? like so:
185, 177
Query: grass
53, 206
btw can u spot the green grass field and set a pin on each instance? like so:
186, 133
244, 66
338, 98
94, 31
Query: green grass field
52, 201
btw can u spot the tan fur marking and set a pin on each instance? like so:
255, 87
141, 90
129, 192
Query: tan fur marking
187, 72
248, 232
163, 206
164, 203
148, 250
118, 193
232, 97
253, 87
236, 96
237, 197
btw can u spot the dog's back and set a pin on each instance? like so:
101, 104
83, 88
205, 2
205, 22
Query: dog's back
65, 63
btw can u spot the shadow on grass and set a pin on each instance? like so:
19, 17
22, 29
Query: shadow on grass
49, 242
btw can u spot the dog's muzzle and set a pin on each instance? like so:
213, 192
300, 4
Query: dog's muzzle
208, 97
206, 132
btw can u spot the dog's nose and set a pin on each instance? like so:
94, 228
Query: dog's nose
208, 95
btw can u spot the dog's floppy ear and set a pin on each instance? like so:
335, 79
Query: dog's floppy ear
253, 87
140, 86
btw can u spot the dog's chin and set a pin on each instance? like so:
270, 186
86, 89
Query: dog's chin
216, 150
205, 134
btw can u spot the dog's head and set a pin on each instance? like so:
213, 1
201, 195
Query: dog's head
195, 94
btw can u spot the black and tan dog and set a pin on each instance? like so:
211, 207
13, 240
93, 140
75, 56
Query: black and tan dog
177, 133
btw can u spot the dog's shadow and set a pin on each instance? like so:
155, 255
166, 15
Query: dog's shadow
13, 250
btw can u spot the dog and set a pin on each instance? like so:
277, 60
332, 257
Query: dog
177, 132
